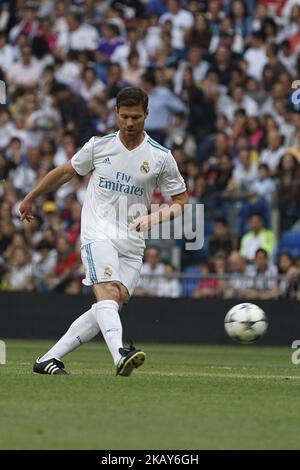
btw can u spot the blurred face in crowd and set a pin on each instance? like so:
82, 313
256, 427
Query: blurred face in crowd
173, 6
220, 229
219, 266
131, 120
255, 223
222, 55
252, 85
195, 55
7, 229
4, 117
225, 164
263, 172
72, 23
50, 236
169, 269
238, 94
26, 55
288, 162
285, 262
2, 40
253, 124
18, 240
89, 76
20, 257
261, 261
200, 186
133, 37
221, 142
236, 264
278, 91
274, 139
30, 14
152, 257
62, 245
214, 7
244, 158
238, 9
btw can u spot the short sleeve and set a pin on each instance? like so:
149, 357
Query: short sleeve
170, 180
82, 161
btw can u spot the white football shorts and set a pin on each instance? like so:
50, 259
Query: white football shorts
103, 263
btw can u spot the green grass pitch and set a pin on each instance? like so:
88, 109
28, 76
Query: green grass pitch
184, 397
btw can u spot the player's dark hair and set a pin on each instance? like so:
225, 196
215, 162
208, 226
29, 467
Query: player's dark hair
132, 96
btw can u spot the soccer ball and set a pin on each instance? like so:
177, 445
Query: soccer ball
245, 323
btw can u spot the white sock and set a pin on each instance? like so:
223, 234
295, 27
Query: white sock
107, 316
81, 331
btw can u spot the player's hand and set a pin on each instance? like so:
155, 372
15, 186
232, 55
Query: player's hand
25, 210
144, 223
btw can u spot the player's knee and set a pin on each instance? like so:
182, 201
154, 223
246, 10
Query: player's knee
113, 291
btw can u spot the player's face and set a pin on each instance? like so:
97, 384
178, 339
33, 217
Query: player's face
131, 119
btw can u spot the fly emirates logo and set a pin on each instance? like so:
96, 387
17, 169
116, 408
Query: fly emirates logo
121, 184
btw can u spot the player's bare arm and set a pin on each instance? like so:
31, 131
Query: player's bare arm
54, 179
168, 212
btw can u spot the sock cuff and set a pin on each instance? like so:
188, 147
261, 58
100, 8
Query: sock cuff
107, 304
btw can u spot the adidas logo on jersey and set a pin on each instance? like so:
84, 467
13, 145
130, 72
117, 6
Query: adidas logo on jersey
106, 160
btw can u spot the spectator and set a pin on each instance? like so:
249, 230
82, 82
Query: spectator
78, 36
237, 281
219, 77
133, 72
151, 273
273, 153
169, 286
182, 21
244, 175
25, 72
256, 55
74, 112
18, 276
162, 103
263, 276
258, 237
66, 264
90, 86
222, 242
211, 286
264, 186
44, 260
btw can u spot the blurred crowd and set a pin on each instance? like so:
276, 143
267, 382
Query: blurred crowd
219, 75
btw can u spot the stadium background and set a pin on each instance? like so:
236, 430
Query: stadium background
219, 76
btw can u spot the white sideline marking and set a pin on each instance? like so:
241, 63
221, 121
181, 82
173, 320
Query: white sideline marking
222, 376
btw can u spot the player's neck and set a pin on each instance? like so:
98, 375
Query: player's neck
131, 142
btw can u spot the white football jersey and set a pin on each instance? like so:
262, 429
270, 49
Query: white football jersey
121, 187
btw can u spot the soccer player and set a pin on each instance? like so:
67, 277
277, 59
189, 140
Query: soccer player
126, 167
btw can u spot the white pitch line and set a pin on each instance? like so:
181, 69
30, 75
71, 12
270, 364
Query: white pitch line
222, 376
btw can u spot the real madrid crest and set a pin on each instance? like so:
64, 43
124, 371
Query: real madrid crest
107, 271
145, 167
